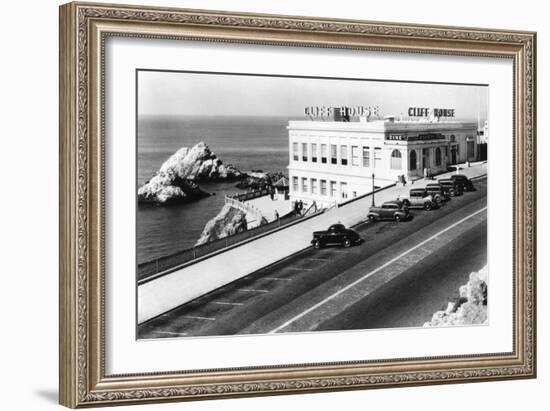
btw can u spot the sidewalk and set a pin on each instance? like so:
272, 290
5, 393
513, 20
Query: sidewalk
267, 206
391, 193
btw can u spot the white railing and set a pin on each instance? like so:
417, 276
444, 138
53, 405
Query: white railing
245, 208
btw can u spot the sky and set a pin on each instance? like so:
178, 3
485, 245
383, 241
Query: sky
187, 94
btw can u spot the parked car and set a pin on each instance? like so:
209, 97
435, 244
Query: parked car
451, 187
337, 234
418, 198
390, 210
464, 181
437, 192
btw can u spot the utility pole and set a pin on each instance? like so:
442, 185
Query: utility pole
373, 189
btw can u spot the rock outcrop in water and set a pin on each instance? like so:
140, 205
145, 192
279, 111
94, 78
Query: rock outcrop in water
471, 307
176, 181
229, 221
258, 179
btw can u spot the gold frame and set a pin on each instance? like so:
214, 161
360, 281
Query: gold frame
83, 30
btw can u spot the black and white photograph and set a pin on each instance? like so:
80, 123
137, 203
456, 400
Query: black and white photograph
280, 204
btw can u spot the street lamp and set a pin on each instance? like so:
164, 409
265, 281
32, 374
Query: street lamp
373, 189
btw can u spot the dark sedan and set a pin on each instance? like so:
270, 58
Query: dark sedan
337, 234
463, 181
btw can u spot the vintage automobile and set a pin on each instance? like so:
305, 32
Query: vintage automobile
451, 187
390, 210
418, 198
463, 181
437, 192
337, 234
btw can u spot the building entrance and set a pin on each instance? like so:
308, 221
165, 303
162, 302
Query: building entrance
453, 154
425, 158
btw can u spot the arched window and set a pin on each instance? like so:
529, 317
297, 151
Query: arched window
412, 160
437, 156
396, 160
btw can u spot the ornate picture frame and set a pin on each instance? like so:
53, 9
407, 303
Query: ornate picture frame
84, 30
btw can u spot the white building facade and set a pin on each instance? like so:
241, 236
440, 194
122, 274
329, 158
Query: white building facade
334, 161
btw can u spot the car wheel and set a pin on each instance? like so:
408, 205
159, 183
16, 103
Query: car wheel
347, 243
397, 218
371, 218
428, 206
317, 244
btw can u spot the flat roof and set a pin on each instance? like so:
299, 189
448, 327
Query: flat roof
381, 125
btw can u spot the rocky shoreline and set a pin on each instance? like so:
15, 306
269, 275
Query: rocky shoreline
258, 179
177, 181
228, 222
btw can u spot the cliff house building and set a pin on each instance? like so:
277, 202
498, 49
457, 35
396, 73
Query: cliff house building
334, 161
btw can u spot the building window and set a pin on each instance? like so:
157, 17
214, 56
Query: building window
333, 188
470, 149
377, 156
453, 138
333, 154
354, 155
313, 186
295, 151
366, 157
323, 187
395, 160
344, 155
412, 160
304, 151
295, 184
446, 152
313, 152
437, 156
323, 153
304, 185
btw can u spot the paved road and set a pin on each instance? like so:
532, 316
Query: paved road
421, 272
411, 299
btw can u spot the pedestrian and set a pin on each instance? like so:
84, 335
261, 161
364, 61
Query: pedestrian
272, 193
276, 215
300, 207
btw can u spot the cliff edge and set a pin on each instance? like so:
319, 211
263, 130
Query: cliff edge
229, 221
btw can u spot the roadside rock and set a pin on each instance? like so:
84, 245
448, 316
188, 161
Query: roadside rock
471, 307
176, 180
229, 221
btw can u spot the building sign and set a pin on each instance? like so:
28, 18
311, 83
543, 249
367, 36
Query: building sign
325, 112
427, 112
420, 137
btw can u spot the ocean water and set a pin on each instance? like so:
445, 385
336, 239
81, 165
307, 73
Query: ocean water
246, 142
